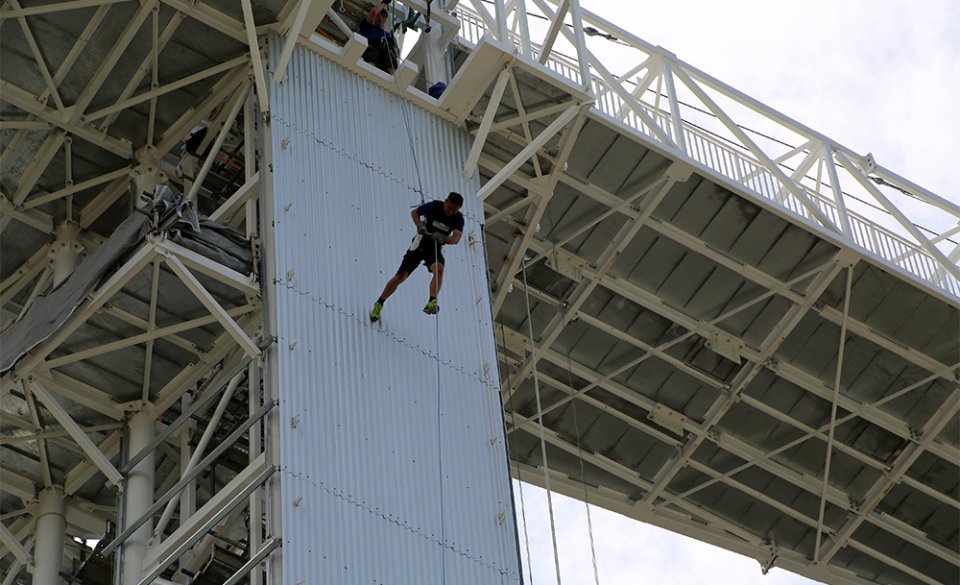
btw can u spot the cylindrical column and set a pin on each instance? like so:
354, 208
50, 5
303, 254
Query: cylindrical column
138, 497
51, 528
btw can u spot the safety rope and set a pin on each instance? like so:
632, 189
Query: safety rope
443, 540
494, 411
395, 62
543, 441
523, 508
583, 479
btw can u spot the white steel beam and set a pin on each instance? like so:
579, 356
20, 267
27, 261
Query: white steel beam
549, 132
293, 35
546, 188
902, 219
38, 56
38, 164
97, 299
208, 267
23, 275
218, 143
33, 218
13, 543
211, 304
795, 189
833, 412
526, 116
110, 60
222, 90
54, 7
138, 322
785, 370
84, 471
746, 375
71, 426
946, 414
556, 25
212, 17
151, 328
41, 444
211, 427
249, 191
604, 263
470, 166
748, 271
165, 89
209, 515
52, 434
146, 337
75, 188
148, 65
102, 202
256, 60
223, 346
735, 446
134, 525
19, 486
28, 102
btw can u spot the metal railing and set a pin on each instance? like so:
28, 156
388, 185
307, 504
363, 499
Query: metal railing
737, 164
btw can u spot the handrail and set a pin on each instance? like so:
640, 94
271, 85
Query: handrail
736, 163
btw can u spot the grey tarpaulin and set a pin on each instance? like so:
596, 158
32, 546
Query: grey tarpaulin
49, 312
217, 242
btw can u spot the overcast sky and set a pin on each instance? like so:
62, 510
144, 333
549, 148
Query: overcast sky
878, 77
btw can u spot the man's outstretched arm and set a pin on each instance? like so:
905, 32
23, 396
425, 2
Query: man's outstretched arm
415, 216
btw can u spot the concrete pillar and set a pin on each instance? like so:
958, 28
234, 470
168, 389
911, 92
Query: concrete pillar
66, 252
138, 497
51, 532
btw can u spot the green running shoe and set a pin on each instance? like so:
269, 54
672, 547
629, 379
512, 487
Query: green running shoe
375, 313
431, 308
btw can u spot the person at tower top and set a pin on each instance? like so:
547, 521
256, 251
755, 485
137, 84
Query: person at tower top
382, 49
438, 223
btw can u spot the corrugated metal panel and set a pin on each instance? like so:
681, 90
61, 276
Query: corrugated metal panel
373, 413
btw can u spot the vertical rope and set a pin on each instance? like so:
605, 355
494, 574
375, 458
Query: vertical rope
543, 442
443, 539
523, 508
395, 61
583, 482
494, 412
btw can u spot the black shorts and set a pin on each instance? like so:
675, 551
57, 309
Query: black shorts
422, 249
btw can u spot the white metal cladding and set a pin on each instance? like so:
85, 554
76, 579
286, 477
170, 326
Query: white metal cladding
363, 440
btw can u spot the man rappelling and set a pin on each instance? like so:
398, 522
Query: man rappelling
438, 223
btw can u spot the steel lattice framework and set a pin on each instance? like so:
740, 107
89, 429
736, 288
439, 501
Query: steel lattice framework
763, 346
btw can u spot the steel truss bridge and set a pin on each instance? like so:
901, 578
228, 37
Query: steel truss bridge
736, 329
